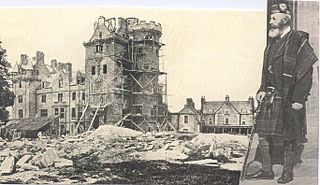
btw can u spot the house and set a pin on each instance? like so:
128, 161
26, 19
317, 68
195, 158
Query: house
234, 117
187, 119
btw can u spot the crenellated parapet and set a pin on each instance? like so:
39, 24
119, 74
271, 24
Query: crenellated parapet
136, 24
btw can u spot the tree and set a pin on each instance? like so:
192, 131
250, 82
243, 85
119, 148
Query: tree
6, 95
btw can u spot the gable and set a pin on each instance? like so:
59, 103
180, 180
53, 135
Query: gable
227, 108
187, 110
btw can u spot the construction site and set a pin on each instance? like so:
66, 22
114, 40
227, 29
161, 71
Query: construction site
104, 124
123, 83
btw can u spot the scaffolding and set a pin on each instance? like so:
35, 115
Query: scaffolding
134, 98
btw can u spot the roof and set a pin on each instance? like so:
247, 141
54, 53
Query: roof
15, 68
189, 110
37, 123
50, 68
215, 106
28, 65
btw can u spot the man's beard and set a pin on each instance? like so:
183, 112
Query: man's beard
275, 32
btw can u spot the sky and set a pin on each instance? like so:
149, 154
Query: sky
209, 52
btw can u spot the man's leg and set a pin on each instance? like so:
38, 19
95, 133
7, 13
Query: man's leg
298, 152
266, 171
288, 163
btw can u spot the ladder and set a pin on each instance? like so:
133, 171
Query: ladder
82, 115
95, 114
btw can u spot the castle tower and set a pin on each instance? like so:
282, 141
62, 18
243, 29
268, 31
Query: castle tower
24, 86
122, 74
106, 54
147, 106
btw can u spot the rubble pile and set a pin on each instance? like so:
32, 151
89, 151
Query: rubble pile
47, 158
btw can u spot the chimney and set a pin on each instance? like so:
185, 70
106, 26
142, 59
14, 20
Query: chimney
227, 98
23, 59
190, 102
203, 100
251, 101
54, 63
101, 21
68, 68
40, 57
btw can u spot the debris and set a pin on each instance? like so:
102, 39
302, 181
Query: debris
63, 163
50, 156
8, 165
206, 162
5, 152
21, 162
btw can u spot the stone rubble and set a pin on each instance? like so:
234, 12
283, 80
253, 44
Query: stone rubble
110, 145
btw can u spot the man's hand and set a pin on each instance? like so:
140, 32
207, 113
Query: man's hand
297, 106
260, 95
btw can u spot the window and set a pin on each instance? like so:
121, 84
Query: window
73, 113
83, 96
73, 96
62, 113
37, 72
154, 110
43, 98
56, 111
186, 119
104, 69
243, 122
20, 84
226, 121
20, 113
210, 111
244, 111
210, 121
20, 99
93, 70
43, 84
43, 113
226, 111
100, 35
99, 48
60, 83
80, 112
60, 96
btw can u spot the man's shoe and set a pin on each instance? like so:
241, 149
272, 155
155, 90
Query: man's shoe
286, 177
261, 175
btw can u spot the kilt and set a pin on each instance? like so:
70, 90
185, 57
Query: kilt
269, 121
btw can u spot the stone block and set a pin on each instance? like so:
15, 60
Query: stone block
63, 163
50, 156
24, 160
8, 165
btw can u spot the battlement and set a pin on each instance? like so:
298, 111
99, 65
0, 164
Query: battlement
136, 24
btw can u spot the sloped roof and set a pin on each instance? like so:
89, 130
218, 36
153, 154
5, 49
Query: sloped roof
28, 65
15, 69
215, 106
51, 69
189, 110
37, 123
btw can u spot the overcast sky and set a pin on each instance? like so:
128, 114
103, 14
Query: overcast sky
208, 52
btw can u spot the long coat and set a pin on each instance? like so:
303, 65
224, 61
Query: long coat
294, 58
293, 81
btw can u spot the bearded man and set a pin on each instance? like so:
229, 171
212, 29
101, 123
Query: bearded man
285, 86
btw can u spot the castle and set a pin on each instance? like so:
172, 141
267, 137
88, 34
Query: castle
120, 84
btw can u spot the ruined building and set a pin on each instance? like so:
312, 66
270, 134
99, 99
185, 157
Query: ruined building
121, 83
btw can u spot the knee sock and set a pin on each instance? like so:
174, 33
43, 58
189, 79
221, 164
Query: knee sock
265, 155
